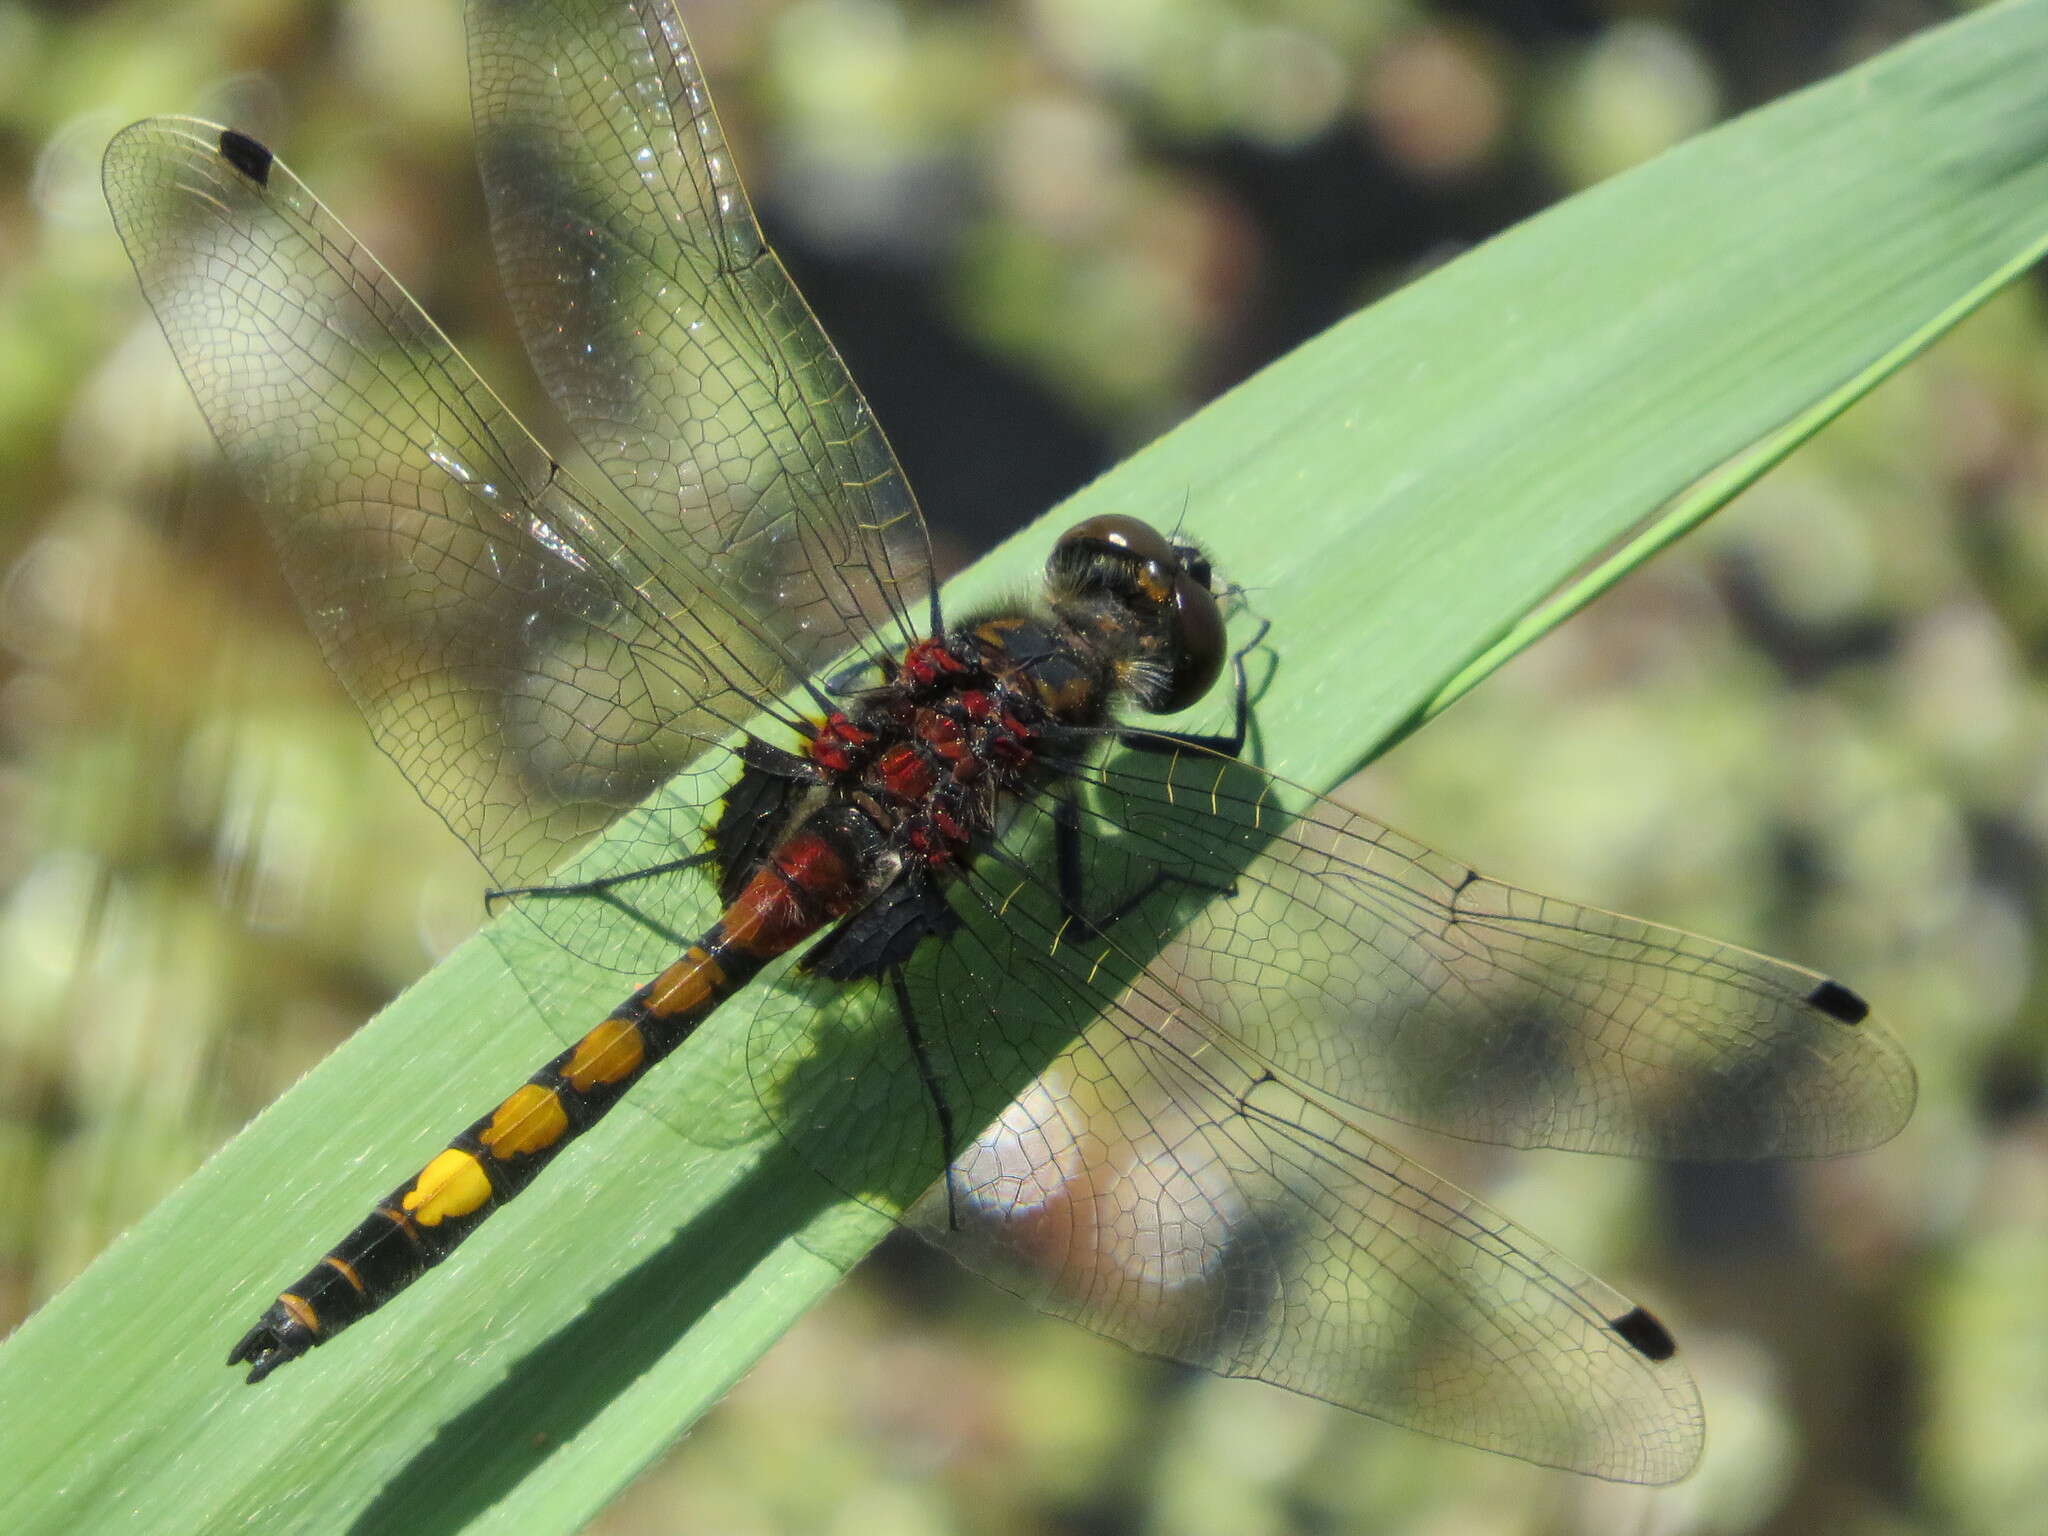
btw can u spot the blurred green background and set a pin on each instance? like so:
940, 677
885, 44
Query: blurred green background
1041, 232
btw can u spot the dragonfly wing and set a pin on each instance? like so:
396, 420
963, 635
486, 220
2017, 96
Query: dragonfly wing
1168, 1196
1367, 967
527, 664
1160, 1186
669, 334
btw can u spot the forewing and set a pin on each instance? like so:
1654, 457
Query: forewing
669, 334
532, 667
1365, 966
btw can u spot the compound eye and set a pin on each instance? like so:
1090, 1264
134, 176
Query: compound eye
1198, 645
1143, 543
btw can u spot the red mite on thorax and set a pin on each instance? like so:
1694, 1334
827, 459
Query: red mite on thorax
852, 840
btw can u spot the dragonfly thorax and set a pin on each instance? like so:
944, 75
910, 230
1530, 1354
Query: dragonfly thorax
966, 722
993, 708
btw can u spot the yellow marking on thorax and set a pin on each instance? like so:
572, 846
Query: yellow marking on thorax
613, 1050
531, 1120
453, 1184
1068, 698
689, 984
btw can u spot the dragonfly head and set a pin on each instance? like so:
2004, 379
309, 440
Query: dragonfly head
1158, 591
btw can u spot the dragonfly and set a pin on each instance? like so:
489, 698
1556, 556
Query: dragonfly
1102, 1008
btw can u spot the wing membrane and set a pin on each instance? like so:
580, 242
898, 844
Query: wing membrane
1159, 1184
1367, 967
1204, 1212
532, 670
670, 335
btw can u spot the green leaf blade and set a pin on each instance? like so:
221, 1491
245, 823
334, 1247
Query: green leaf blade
1399, 495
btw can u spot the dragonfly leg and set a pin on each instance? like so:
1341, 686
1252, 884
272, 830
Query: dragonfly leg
933, 1091
846, 682
598, 886
1067, 849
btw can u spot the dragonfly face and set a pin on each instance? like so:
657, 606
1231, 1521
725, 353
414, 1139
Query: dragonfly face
1116, 1000
1130, 575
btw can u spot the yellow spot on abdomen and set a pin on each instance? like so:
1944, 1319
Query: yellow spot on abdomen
453, 1184
532, 1120
690, 983
609, 1052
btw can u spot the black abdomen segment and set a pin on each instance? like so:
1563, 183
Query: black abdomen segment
426, 1218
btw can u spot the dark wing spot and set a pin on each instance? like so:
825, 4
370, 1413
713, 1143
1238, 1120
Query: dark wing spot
1643, 1333
1470, 878
246, 156
1838, 1002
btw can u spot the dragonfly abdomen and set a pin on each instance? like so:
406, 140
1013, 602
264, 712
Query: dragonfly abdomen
812, 878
